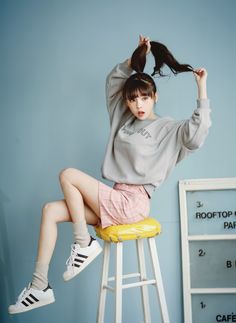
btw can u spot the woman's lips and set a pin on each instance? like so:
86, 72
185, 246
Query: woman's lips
141, 113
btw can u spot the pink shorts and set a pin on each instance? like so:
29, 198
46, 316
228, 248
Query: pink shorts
122, 204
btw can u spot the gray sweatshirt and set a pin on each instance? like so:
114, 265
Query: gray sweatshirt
144, 152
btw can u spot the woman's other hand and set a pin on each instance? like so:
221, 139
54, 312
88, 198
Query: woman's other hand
200, 75
145, 40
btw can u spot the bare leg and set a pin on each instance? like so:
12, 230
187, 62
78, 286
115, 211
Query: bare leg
81, 200
79, 189
53, 213
37, 294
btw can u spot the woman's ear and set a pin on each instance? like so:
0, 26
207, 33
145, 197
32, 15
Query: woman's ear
156, 97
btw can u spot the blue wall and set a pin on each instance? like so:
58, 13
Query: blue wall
55, 56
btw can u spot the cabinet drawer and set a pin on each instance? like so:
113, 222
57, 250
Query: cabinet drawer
213, 308
213, 264
211, 212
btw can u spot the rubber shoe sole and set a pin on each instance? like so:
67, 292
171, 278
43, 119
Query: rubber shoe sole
31, 307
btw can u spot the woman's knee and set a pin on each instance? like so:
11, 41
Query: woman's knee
66, 174
47, 211
55, 212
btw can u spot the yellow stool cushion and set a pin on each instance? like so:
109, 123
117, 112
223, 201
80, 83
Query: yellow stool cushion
143, 229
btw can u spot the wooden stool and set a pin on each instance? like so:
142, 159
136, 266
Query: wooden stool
147, 228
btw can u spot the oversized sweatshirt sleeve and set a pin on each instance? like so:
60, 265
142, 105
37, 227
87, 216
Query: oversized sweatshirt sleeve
114, 84
194, 130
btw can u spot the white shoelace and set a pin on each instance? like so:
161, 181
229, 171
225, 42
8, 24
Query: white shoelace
24, 291
70, 260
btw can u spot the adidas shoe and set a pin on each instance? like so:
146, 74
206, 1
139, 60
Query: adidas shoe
31, 298
80, 258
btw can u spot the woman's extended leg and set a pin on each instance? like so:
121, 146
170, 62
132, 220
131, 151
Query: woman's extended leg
53, 213
38, 293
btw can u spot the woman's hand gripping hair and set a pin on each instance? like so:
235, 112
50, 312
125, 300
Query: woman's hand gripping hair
145, 41
200, 75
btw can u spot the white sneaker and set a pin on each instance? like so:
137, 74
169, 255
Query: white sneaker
31, 298
80, 258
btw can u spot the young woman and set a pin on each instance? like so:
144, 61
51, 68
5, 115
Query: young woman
142, 150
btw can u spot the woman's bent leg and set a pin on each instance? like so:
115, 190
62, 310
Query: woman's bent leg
80, 189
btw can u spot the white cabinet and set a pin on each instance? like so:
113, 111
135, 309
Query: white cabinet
208, 235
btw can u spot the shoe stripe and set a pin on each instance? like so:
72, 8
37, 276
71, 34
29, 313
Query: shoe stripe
79, 260
75, 265
82, 256
91, 240
48, 287
29, 300
33, 297
23, 302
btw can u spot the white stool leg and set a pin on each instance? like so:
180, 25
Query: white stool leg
159, 284
118, 288
104, 282
143, 276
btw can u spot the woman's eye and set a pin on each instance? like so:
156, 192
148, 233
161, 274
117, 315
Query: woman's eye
145, 98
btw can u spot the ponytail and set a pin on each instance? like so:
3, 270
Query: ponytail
161, 55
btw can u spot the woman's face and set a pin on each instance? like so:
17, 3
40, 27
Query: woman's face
142, 106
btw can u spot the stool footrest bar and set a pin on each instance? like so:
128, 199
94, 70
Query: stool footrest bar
110, 279
138, 284
111, 289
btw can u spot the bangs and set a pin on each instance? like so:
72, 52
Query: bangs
138, 88
139, 85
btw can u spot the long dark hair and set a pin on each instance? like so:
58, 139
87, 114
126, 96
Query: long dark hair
143, 83
161, 55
